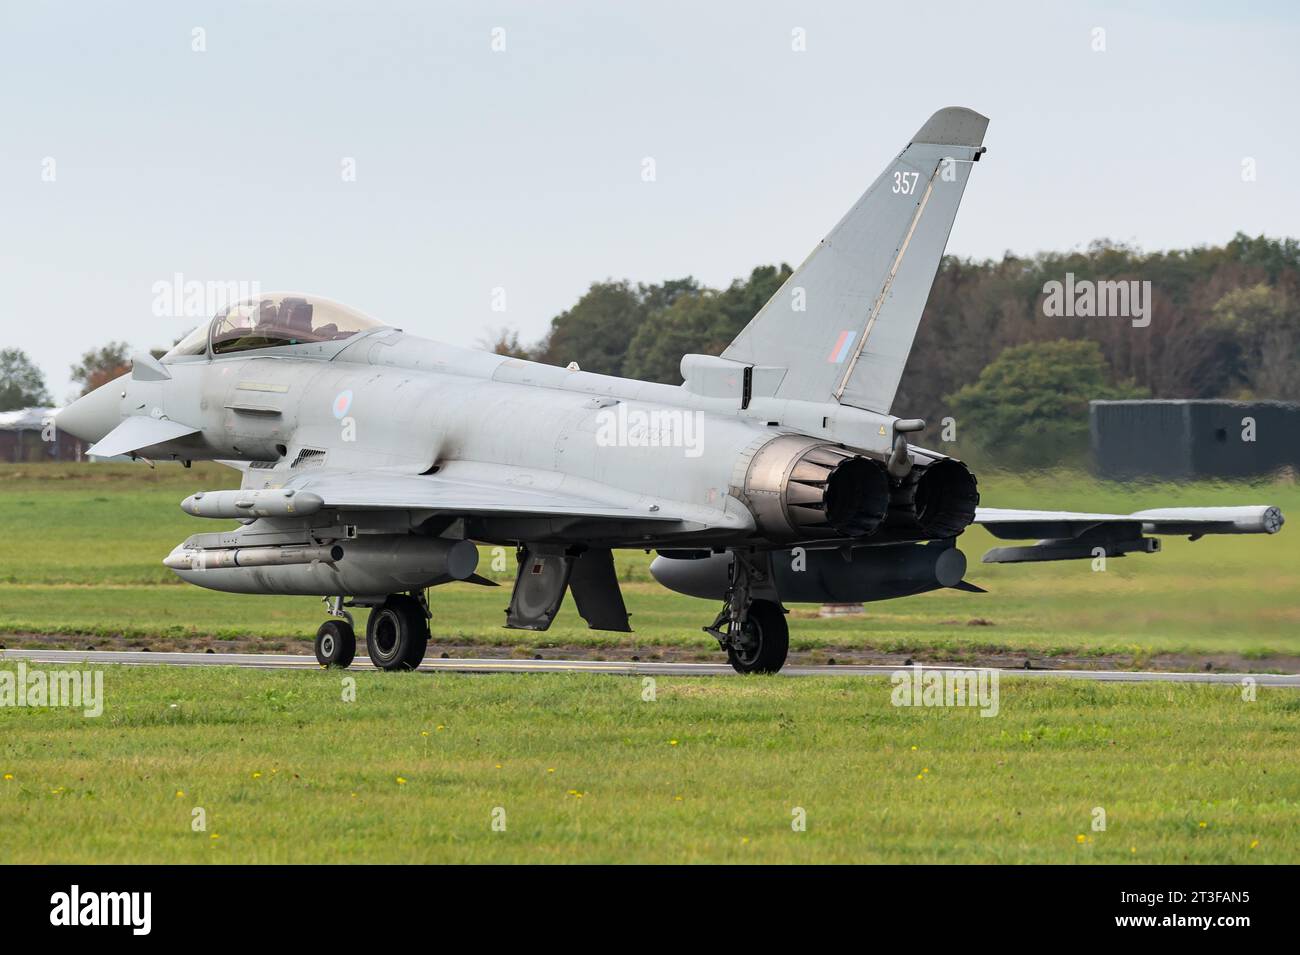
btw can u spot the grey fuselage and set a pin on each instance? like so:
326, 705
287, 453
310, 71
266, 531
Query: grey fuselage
391, 402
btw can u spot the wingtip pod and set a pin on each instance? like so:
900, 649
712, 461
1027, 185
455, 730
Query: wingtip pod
1249, 519
953, 126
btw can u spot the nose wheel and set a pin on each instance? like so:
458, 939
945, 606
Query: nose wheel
336, 644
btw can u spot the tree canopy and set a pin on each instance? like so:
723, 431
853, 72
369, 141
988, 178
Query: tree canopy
99, 366
1030, 404
1225, 323
596, 331
22, 385
699, 321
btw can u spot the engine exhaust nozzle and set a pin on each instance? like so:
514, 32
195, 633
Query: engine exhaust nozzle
946, 497
801, 489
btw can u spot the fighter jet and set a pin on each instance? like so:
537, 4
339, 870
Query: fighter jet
375, 462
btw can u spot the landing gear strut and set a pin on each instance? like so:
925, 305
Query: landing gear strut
762, 641
751, 629
336, 640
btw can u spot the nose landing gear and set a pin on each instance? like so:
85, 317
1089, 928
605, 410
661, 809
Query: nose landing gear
336, 644
336, 640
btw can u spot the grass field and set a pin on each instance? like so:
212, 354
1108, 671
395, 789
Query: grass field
85, 544
586, 770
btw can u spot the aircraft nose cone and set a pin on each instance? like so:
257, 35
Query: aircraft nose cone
92, 416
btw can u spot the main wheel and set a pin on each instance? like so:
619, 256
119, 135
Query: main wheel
336, 644
764, 640
397, 633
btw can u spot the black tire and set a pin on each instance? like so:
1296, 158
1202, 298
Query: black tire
419, 637
765, 640
397, 633
336, 644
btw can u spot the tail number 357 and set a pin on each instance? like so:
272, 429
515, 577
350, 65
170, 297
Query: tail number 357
905, 182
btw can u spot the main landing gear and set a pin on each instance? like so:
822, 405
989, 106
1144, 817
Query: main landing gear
397, 634
750, 627
761, 642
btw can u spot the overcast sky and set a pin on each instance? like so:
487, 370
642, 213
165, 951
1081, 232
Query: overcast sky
522, 169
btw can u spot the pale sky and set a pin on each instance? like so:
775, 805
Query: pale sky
522, 169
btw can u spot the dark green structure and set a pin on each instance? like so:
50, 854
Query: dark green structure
1194, 438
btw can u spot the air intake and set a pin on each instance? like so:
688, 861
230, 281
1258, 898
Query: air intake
308, 456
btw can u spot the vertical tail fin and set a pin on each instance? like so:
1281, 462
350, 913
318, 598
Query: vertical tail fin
843, 324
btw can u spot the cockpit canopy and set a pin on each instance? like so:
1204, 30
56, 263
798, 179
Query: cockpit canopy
271, 320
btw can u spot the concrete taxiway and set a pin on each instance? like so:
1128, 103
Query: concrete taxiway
617, 667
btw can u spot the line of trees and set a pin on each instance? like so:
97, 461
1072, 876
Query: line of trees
22, 383
1016, 383
1012, 381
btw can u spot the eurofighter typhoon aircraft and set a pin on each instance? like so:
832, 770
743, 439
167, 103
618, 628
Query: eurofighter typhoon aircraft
373, 461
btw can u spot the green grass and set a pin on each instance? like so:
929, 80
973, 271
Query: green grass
286, 771
85, 543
